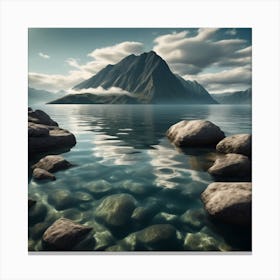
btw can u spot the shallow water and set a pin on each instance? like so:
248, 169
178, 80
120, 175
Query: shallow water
123, 149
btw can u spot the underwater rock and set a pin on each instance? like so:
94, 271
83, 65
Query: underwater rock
237, 144
200, 242
136, 188
141, 214
64, 234
194, 218
103, 240
165, 218
42, 174
160, 236
37, 213
44, 135
195, 133
99, 188
231, 166
115, 210
62, 199
52, 163
31, 202
229, 202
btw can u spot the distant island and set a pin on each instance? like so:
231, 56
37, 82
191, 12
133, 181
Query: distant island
143, 79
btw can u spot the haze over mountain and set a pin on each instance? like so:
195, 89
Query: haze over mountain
147, 78
238, 97
38, 96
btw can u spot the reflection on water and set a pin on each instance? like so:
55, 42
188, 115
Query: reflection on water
123, 149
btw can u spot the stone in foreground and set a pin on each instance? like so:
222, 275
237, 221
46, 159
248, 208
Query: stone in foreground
231, 166
238, 144
53, 163
229, 202
64, 234
116, 210
41, 174
195, 133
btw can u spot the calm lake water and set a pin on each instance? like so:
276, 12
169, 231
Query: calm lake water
123, 149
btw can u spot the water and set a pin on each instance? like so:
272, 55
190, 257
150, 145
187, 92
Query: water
123, 149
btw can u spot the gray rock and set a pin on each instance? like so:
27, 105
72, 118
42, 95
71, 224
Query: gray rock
39, 116
238, 144
195, 133
231, 166
103, 240
160, 236
163, 217
141, 214
194, 218
115, 210
229, 202
200, 242
64, 234
41, 174
44, 135
52, 163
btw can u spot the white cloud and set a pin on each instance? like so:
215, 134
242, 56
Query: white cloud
100, 58
188, 54
99, 90
43, 55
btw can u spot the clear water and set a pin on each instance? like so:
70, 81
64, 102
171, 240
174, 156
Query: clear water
123, 149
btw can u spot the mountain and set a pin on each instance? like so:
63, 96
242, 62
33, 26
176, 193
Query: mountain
148, 79
37, 96
238, 97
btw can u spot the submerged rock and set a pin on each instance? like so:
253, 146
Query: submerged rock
194, 218
195, 133
160, 236
44, 135
62, 199
41, 174
37, 213
115, 210
163, 217
64, 234
99, 188
103, 240
200, 242
53, 163
238, 144
231, 166
141, 215
229, 202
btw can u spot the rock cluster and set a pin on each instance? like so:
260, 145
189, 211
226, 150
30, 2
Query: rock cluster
44, 135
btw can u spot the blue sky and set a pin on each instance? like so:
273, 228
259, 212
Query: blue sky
220, 59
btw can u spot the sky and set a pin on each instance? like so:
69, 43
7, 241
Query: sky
217, 58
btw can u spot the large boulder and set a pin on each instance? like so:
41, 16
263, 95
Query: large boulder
116, 210
231, 166
41, 174
39, 116
238, 144
229, 202
52, 163
44, 135
64, 234
195, 133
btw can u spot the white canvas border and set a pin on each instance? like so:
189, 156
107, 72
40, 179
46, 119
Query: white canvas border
17, 16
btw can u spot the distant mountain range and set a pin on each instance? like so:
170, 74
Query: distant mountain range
146, 78
238, 97
37, 96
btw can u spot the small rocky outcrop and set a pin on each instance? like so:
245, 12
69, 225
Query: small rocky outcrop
41, 174
238, 144
52, 163
64, 234
44, 135
116, 210
195, 133
231, 166
229, 202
